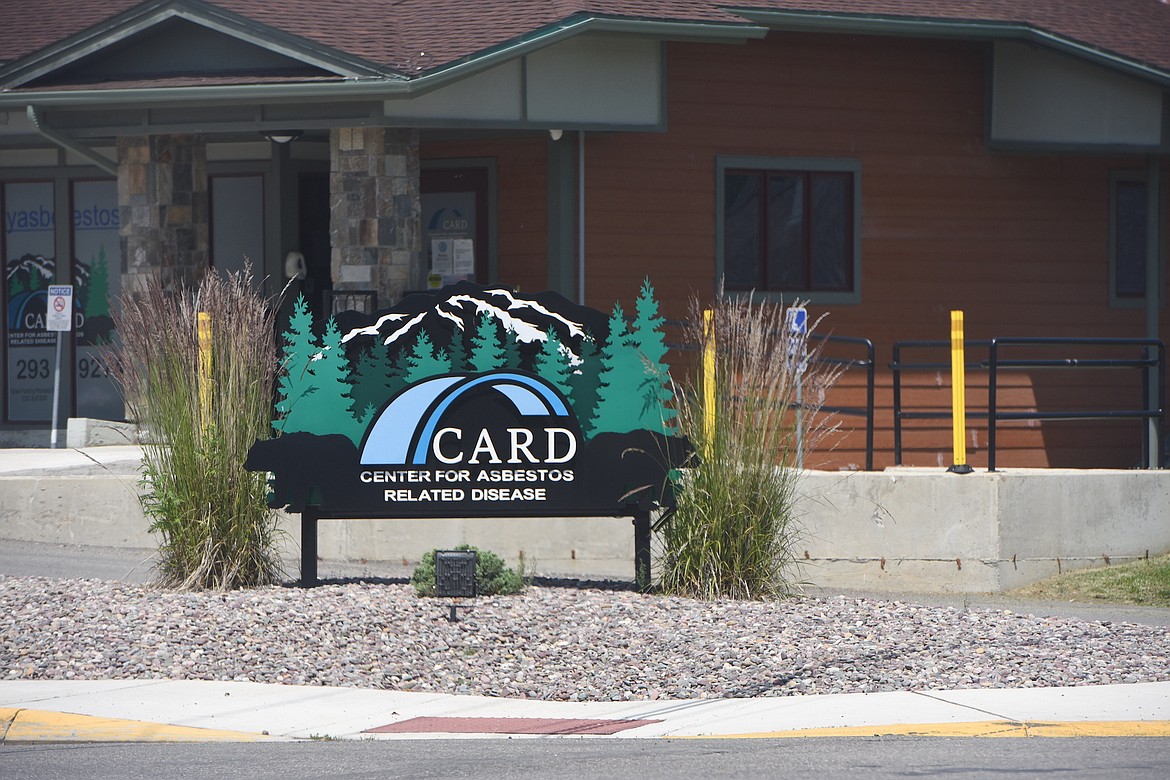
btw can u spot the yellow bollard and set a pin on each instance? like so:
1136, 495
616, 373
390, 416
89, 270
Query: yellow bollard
709, 379
203, 323
958, 396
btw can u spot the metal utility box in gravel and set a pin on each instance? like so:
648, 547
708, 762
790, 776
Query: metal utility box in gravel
473, 401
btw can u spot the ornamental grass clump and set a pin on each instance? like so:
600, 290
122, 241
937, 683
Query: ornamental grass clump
734, 532
202, 410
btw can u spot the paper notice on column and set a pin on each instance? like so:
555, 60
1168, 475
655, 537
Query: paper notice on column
464, 256
441, 256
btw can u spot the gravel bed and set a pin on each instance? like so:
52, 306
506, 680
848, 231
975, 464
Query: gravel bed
554, 643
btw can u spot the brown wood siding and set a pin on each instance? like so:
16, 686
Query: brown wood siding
1018, 241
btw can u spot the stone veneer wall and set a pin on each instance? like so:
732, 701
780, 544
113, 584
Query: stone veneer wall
375, 211
162, 194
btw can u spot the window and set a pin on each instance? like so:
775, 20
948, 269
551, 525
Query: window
790, 226
1128, 220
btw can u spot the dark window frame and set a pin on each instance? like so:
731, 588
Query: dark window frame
1120, 296
807, 171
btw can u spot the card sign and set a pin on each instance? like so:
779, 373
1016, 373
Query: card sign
474, 401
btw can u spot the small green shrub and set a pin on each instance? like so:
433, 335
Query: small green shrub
492, 577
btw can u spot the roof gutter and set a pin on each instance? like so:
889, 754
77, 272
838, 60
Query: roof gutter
381, 88
100, 160
968, 29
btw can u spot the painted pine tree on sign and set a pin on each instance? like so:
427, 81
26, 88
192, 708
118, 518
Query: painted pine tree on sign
650, 342
552, 365
296, 383
622, 373
424, 360
487, 354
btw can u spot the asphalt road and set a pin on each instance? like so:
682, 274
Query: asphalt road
586, 759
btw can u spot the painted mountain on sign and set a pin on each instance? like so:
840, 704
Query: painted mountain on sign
610, 370
29, 273
461, 307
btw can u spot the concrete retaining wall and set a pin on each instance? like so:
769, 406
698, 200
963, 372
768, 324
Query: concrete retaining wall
902, 530
923, 529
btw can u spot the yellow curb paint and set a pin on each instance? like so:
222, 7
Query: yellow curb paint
988, 728
43, 726
6, 717
1101, 728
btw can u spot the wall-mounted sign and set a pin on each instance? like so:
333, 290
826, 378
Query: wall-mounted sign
474, 401
59, 316
97, 275
29, 221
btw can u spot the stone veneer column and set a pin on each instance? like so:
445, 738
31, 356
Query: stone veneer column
374, 207
162, 196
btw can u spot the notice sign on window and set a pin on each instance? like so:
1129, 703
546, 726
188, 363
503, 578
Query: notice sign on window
464, 256
442, 256
60, 309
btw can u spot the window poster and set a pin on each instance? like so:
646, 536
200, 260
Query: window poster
97, 275
448, 220
30, 268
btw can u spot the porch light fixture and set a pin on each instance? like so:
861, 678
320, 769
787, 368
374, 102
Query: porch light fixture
283, 136
556, 133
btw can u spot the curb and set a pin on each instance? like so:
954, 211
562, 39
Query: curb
987, 728
21, 725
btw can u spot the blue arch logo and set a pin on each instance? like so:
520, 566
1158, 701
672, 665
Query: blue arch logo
447, 219
403, 432
20, 304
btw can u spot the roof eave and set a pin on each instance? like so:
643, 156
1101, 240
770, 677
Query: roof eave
143, 17
385, 86
950, 28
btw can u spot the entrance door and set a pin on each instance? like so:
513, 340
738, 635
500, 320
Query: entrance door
313, 237
456, 225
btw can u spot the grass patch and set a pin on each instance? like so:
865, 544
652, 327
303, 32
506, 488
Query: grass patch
1143, 583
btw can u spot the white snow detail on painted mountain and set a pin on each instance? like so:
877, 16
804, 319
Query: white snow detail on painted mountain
454, 308
454, 318
525, 331
29, 262
375, 329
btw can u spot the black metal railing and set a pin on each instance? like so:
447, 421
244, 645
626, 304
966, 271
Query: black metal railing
866, 363
1153, 410
1152, 359
898, 365
827, 343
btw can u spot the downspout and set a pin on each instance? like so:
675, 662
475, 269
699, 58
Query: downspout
69, 144
1154, 292
581, 217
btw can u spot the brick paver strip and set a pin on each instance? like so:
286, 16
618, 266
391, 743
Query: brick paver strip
508, 726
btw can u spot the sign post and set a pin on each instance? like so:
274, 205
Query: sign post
798, 335
59, 318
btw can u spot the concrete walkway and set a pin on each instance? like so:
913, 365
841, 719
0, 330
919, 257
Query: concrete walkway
187, 711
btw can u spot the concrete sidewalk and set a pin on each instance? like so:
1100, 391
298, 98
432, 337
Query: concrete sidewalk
187, 711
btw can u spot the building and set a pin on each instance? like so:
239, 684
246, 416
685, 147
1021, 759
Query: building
1005, 159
